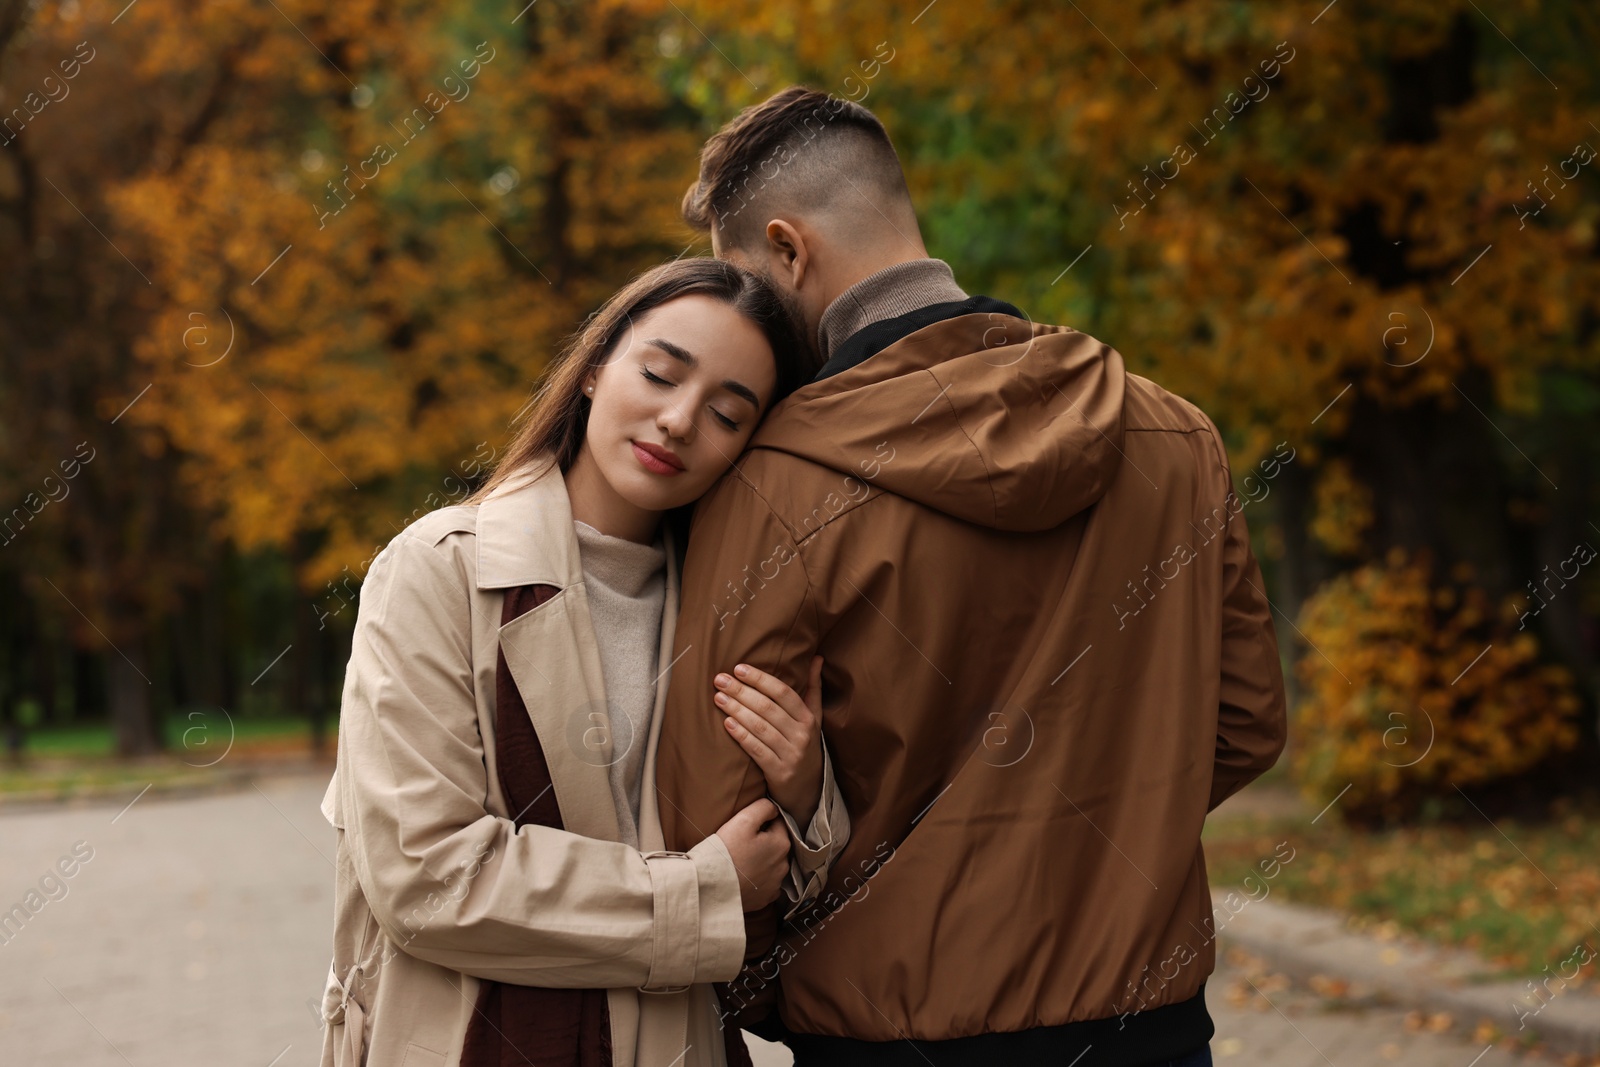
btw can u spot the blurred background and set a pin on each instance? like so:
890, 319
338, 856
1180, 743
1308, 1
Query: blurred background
275, 276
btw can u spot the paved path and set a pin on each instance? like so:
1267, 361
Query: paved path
196, 935
1258, 1025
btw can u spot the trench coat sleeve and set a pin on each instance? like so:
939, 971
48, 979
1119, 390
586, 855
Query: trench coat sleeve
450, 882
1252, 716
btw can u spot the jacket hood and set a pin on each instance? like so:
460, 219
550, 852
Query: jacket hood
985, 417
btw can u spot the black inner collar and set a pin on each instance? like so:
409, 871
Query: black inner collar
874, 338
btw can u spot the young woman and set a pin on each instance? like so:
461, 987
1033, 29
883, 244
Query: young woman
502, 896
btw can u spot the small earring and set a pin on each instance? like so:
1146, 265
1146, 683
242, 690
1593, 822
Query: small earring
589, 389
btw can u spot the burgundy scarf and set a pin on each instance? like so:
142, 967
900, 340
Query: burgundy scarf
517, 1025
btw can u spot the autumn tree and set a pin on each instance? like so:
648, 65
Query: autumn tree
288, 270
98, 544
1367, 231
359, 233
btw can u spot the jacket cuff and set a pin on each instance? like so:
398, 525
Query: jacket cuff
699, 918
813, 851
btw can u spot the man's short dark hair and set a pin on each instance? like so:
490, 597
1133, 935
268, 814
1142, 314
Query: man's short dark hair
796, 151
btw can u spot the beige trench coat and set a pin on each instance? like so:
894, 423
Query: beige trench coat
436, 889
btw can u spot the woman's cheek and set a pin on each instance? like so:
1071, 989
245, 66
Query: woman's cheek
713, 456
710, 466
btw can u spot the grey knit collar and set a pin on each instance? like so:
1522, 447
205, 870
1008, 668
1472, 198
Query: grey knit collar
618, 563
892, 291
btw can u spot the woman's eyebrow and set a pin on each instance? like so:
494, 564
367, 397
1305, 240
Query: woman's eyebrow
676, 351
688, 359
739, 389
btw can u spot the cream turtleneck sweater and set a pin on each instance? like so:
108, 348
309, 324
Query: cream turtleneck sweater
626, 583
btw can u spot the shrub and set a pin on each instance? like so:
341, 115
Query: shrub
1412, 689
1343, 511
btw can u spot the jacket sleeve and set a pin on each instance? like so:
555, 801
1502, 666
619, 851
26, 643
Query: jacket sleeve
450, 882
745, 598
1252, 719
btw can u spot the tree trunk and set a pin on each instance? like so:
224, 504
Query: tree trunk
308, 688
1303, 567
132, 707
10, 663
88, 687
11, 688
49, 666
1567, 631
228, 630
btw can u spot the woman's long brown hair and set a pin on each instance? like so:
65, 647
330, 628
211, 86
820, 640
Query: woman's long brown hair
555, 420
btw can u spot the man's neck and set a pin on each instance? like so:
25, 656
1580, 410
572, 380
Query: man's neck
884, 294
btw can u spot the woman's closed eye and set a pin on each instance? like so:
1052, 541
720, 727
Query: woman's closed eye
651, 376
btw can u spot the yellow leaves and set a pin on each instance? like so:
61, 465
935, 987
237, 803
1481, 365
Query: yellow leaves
1410, 686
1554, 313
1509, 885
1098, 110
318, 325
1456, 882
1343, 509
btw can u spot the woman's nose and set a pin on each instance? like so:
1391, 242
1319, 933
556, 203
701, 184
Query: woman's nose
675, 422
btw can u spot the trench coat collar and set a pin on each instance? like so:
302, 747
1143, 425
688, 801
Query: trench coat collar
526, 537
525, 532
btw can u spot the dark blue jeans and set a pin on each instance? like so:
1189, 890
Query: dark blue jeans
1201, 1057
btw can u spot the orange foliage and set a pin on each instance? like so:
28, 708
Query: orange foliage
1413, 689
368, 248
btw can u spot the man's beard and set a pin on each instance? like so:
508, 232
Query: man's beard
797, 319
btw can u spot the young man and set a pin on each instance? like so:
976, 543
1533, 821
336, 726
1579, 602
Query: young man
1048, 653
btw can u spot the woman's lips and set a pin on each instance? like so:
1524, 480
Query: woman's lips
653, 463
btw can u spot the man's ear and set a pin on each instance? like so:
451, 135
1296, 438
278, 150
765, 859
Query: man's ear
789, 252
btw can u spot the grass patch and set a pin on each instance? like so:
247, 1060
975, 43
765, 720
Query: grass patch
196, 735
63, 782
1524, 895
79, 760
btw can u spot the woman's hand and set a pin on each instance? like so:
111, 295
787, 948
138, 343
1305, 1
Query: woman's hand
778, 730
758, 842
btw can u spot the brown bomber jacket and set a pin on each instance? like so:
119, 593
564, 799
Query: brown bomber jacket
1048, 655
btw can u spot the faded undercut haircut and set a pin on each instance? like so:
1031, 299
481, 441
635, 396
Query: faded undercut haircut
801, 152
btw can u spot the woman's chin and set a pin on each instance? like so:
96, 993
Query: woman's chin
650, 492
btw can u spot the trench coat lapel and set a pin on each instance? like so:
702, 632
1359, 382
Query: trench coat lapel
664, 1019
525, 537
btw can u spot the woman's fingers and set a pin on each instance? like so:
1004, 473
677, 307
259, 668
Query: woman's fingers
777, 729
753, 747
770, 698
758, 844
761, 726
756, 814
